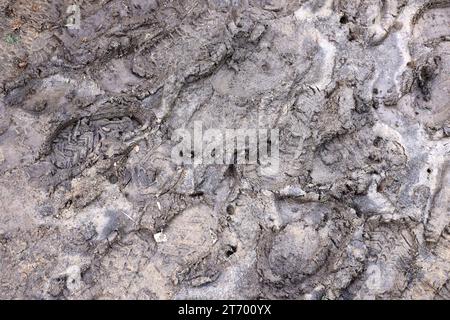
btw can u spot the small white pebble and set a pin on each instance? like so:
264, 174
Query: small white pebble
160, 237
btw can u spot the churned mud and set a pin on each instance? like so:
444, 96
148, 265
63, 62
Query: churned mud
92, 205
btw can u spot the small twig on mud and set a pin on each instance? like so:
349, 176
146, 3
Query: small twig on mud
123, 212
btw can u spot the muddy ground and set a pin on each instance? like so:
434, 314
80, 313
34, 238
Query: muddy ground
93, 207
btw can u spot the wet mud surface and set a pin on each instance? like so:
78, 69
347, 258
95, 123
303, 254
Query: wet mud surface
92, 205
